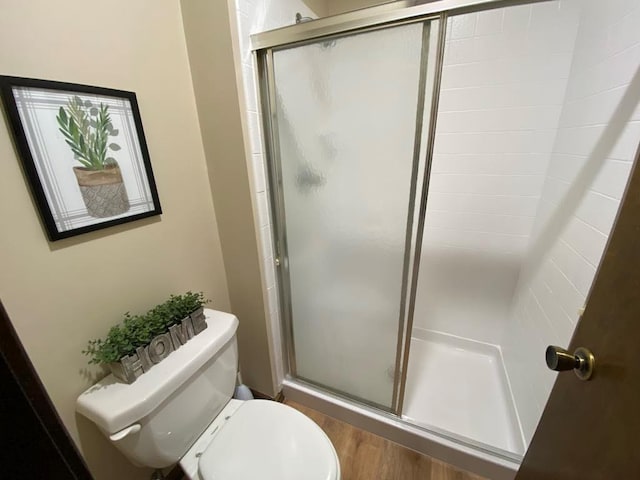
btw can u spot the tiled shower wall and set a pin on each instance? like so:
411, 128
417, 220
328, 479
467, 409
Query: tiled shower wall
504, 76
591, 158
256, 16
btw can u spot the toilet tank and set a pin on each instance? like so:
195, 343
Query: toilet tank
155, 420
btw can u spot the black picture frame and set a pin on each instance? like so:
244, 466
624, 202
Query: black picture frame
76, 186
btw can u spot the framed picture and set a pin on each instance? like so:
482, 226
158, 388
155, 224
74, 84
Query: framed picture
84, 153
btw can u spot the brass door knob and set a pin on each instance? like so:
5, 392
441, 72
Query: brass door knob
581, 362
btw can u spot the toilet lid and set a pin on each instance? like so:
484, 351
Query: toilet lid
269, 441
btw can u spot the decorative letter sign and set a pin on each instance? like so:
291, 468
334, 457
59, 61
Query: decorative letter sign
132, 366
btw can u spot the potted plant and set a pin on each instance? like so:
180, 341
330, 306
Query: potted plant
86, 129
140, 341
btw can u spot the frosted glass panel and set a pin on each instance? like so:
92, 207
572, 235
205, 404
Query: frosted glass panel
346, 112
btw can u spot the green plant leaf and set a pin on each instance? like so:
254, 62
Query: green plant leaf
114, 146
73, 128
139, 330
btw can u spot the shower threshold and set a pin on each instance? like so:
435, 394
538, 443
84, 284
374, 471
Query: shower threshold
460, 386
488, 463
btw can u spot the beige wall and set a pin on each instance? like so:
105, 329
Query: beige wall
319, 7
335, 7
210, 41
61, 294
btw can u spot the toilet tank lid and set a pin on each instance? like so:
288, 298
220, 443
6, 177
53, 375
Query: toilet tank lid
114, 405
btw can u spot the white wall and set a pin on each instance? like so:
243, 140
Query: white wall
504, 76
592, 153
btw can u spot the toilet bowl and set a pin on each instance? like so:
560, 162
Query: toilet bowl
262, 439
181, 410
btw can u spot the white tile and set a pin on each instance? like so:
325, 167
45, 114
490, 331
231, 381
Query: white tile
606, 73
623, 34
577, 269
552, 39
539, 331
496, 164
461, 26
626, 143
460, 51
244, 27
585, 240
546, 14
504, 46
567, 295
577, 141
491, 204
512, 185
516, 18
255, 136
263, 209
272, 298
492, 142
549, 300
554, 191
269, 272
505, 224
590, 48
565, 167
593, 109
259, 178
524, 94
612, 178
500, 120
489, 21
479, 241
266, 241
598, 211
250, 92
539, 68
245, 6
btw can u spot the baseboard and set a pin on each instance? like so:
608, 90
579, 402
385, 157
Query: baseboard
263, 396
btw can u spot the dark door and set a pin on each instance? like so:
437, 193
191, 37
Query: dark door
591, 429
34, 443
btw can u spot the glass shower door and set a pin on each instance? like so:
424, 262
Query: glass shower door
346, 111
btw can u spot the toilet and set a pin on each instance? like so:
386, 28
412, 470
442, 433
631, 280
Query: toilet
181, 411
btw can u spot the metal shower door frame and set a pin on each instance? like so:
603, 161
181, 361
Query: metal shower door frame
411, 252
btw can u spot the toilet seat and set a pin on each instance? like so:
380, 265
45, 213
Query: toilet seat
271, 441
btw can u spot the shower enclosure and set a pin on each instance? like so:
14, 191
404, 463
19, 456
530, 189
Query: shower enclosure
443, 179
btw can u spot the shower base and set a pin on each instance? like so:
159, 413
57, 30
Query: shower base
460, 386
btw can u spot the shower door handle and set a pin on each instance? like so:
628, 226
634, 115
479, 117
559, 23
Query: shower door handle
582, 361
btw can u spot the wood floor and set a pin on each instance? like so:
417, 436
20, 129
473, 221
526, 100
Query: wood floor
364, 456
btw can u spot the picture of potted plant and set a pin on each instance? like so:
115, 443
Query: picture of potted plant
141, 341
86, 129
